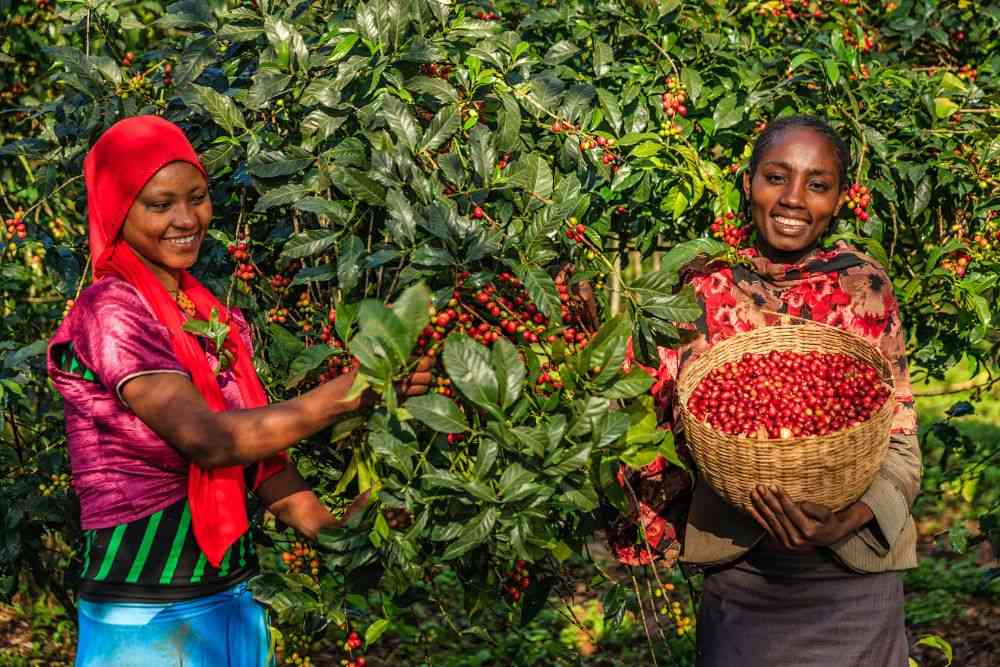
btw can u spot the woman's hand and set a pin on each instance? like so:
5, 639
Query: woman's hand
420, 380
805, 525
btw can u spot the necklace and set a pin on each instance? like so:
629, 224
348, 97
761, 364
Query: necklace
185, 303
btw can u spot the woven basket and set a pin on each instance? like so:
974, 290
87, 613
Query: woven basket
832, 470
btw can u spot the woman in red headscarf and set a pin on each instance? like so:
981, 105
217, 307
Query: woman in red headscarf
164, 441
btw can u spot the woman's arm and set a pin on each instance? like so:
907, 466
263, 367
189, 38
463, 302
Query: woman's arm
288, 497
171, 405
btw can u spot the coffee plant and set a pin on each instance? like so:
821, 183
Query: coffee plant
510, 187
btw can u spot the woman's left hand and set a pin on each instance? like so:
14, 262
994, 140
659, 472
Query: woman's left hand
805, 525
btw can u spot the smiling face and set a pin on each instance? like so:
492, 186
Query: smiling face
167, 221
794, 193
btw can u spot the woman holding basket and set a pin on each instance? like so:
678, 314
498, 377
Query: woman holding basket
167, 435
788, 583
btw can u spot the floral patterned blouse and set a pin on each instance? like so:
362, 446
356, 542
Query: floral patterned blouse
839, 286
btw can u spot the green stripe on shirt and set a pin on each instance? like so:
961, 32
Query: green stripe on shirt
147, 543
177, 547
109, 555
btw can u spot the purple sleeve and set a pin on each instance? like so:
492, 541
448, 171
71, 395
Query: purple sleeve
116, 336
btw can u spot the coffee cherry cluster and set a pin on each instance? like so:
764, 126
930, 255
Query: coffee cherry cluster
968, 72
603, 147
786, 394
168, 75
436, 71
398, 518
280, 283
518, 581
673, 610
575, 231
240, 253
477, 213
670, 129
673, 100
549, 381
352, 644
301, 558
278, 315
957, 263
730, 229
128, 59
487, 16
858, 199
16, 228
59, 484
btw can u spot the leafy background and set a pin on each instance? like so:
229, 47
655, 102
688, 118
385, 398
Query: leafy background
422, 153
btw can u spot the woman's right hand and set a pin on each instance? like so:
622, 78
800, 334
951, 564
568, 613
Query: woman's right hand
420, 380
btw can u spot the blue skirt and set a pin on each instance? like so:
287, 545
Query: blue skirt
228, 629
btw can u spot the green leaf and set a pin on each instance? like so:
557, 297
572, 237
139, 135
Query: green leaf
612, 110
376, 630
437, 412
349, 254
533, 174
604, 55
944, 107
560, 52
445, 123
282, 196
435, 87
269, 164
313, 274
727, 113
541, 288
287, 43
307, 244
468, 366
221, 108
684, 253
637, 382
692, 83
308, 361
403, 220
320, 126
401, 121
484, 155
508, 123
680, 307
232, 32
801, 58
473, 533
832, 70
358, 185
922, 196
267, 84
516, 483
510, 371
323, 207
413, 310
486, 456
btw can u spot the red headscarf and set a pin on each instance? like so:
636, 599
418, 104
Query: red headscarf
119, 165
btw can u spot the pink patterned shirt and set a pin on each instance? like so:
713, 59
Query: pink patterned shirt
122, 470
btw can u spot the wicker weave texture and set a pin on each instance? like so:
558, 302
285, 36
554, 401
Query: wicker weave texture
832, 470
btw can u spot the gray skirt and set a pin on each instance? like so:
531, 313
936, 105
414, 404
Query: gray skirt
781, 609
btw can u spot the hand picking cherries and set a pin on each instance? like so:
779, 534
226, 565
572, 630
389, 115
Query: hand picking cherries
787, 394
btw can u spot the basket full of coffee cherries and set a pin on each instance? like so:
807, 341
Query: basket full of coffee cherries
806, 407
